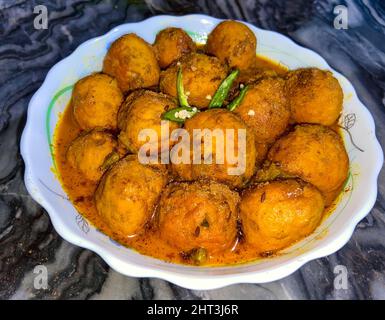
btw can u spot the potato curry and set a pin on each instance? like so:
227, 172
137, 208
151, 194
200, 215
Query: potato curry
198, 213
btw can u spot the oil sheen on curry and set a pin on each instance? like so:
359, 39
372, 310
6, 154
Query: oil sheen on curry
295, 163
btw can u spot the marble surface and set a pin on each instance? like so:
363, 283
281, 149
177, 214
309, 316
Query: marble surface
27, 237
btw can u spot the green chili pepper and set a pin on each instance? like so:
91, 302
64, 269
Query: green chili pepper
236, 102
176, 115
183, 112
179, 86
198, 256
109, 160
223, 90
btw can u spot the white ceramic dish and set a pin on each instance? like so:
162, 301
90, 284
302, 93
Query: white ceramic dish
52, 97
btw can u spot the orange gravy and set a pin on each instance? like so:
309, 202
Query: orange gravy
265, 63
148, 243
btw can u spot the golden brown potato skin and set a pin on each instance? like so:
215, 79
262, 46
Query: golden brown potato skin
142, 110
233, 43
198, 215
265, 109
95, 101
132, 61
222, 119
315, 154
88, 153
276, 214
171, 44
127, 194
202, 76
314, 95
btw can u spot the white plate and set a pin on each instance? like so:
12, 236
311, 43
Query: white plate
52, 97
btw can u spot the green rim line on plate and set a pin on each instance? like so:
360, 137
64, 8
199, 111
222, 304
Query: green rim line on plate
48, 117
196, 36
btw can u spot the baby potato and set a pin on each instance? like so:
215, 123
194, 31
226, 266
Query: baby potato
126, 196
95, 101
142, 110
315, 154
265, 110
198, 215
233, 43
132, 61
219, 120
171, 44
202, 76
92, 152
276, 214
314, 95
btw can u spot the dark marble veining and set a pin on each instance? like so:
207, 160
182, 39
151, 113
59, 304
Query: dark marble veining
27, 237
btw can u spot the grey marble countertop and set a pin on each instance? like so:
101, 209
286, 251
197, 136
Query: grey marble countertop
27, 237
